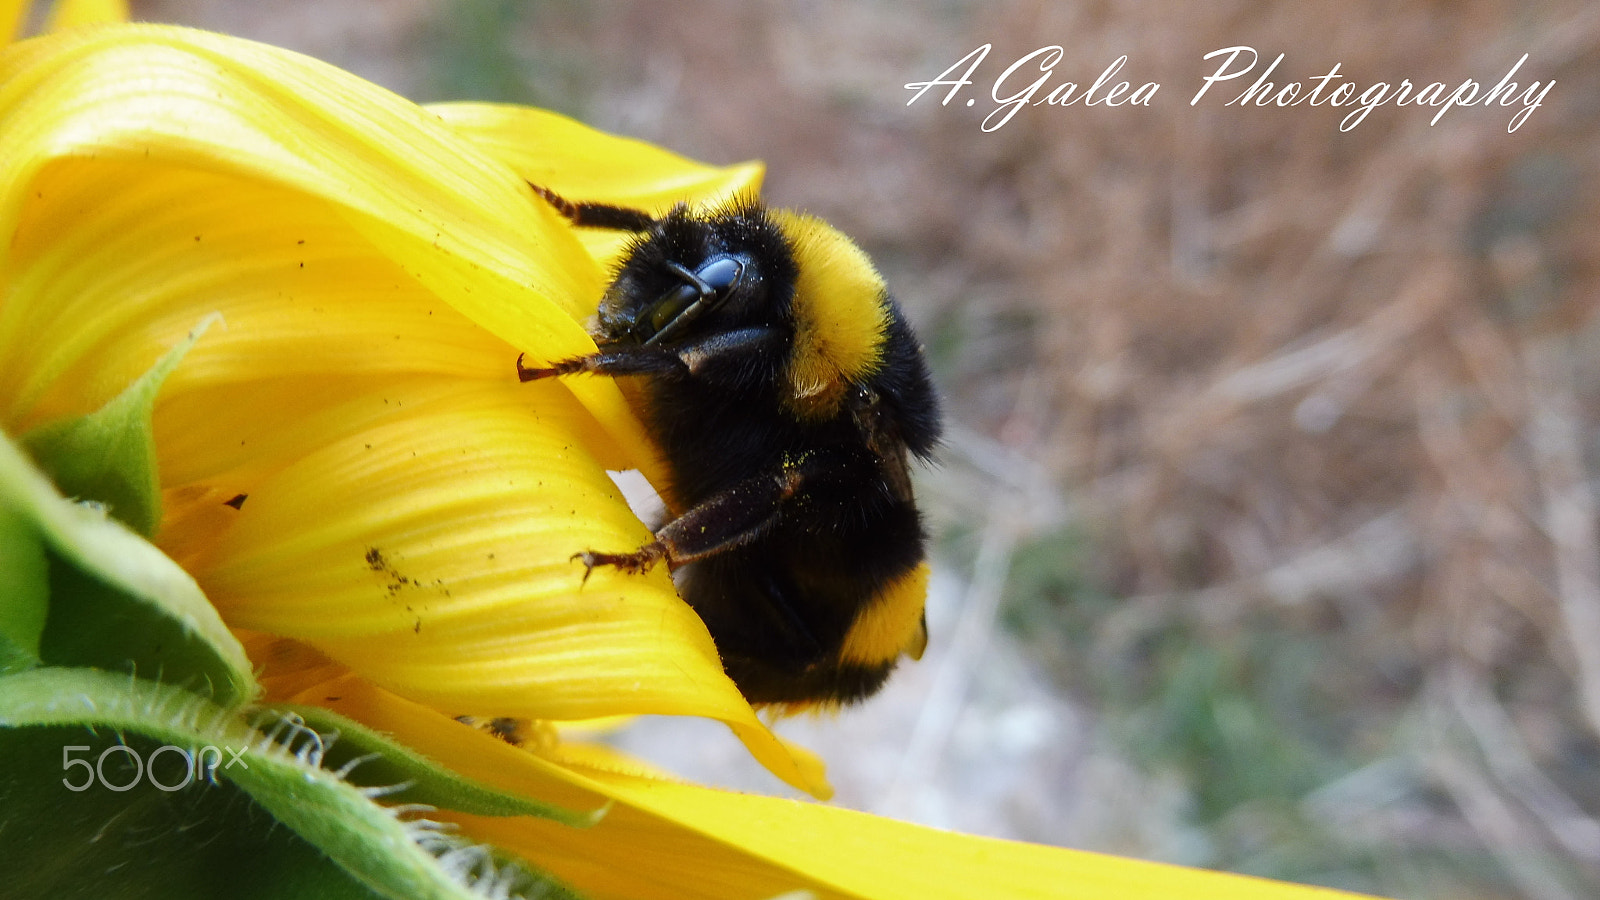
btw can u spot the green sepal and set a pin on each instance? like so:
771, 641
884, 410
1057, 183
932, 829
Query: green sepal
282, 774
200, 842
116, 602
109, 455
24, 591
384, 762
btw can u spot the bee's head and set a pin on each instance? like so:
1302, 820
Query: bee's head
695, 273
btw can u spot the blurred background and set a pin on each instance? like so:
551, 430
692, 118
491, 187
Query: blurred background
1267, 517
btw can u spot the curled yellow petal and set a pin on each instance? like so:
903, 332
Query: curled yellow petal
77, 13
462, 224
580, 163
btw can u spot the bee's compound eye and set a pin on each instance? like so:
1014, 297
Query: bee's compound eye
720, 272
702, 291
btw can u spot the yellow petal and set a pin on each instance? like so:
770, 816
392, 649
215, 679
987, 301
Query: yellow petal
667, 840
11, 16
459, 222
860, 855
427, 546
76, 13
291, 672
426, 541
580, 163
112, 258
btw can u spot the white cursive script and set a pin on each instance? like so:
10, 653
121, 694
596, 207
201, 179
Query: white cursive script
1101, 93
1012, 89
1438, 94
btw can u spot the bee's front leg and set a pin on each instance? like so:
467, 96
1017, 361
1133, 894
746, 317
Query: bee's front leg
729, 359
642, 560
728, 519
630, 360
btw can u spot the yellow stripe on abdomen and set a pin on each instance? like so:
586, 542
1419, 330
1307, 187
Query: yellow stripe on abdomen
891, 622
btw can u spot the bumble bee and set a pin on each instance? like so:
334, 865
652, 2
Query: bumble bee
786, 393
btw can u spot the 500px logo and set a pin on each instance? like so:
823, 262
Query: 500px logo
201, 762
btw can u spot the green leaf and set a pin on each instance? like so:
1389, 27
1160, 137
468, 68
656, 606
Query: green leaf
385, 762
203, 840
24, 592
388, 854
109, 455
116, 602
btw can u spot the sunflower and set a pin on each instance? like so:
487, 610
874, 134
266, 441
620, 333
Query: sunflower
275, 513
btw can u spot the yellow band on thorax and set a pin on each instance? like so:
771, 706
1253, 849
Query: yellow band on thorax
841, 315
